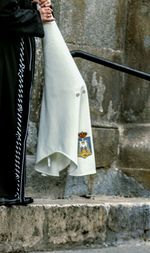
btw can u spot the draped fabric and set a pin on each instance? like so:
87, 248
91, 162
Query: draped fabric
18, 27
65, 135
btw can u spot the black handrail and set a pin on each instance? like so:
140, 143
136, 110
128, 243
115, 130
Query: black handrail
113, 65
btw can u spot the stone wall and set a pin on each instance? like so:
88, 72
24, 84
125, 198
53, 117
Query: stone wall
135, 111
117, 30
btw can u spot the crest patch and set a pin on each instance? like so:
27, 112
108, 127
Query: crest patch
84, 145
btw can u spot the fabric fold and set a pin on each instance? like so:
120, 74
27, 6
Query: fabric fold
65, 134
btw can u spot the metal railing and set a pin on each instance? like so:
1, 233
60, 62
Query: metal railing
110, 64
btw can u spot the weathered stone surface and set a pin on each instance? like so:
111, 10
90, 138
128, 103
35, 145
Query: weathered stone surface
47, 225
135, 146
141, 175
36, 92
78, 186
93, 23
103, 87
32, 138
35, 100
136, 94
122, 225
106, 141
39, 186
77, 224
56, 9
114, 182
20, 228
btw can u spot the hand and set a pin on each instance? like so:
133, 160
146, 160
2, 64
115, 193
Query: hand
46, 14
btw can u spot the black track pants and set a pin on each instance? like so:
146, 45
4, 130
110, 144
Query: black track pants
15, 82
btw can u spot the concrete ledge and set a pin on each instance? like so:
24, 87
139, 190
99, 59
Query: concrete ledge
48, 225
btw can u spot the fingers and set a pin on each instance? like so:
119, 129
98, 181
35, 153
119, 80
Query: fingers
46, 14
46, 10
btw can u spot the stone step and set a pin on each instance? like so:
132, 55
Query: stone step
135, 247
48, 225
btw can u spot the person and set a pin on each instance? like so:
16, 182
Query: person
20, 22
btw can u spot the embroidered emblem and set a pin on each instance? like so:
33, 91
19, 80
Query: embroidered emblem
84, 145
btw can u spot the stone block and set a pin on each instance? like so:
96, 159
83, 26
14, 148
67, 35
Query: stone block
135, 146
106, 141
93, 23
76, 224
50, 225
142, 176
129, 222
113, 182
136, 92
20, 228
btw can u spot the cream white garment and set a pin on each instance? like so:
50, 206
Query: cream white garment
64, 113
